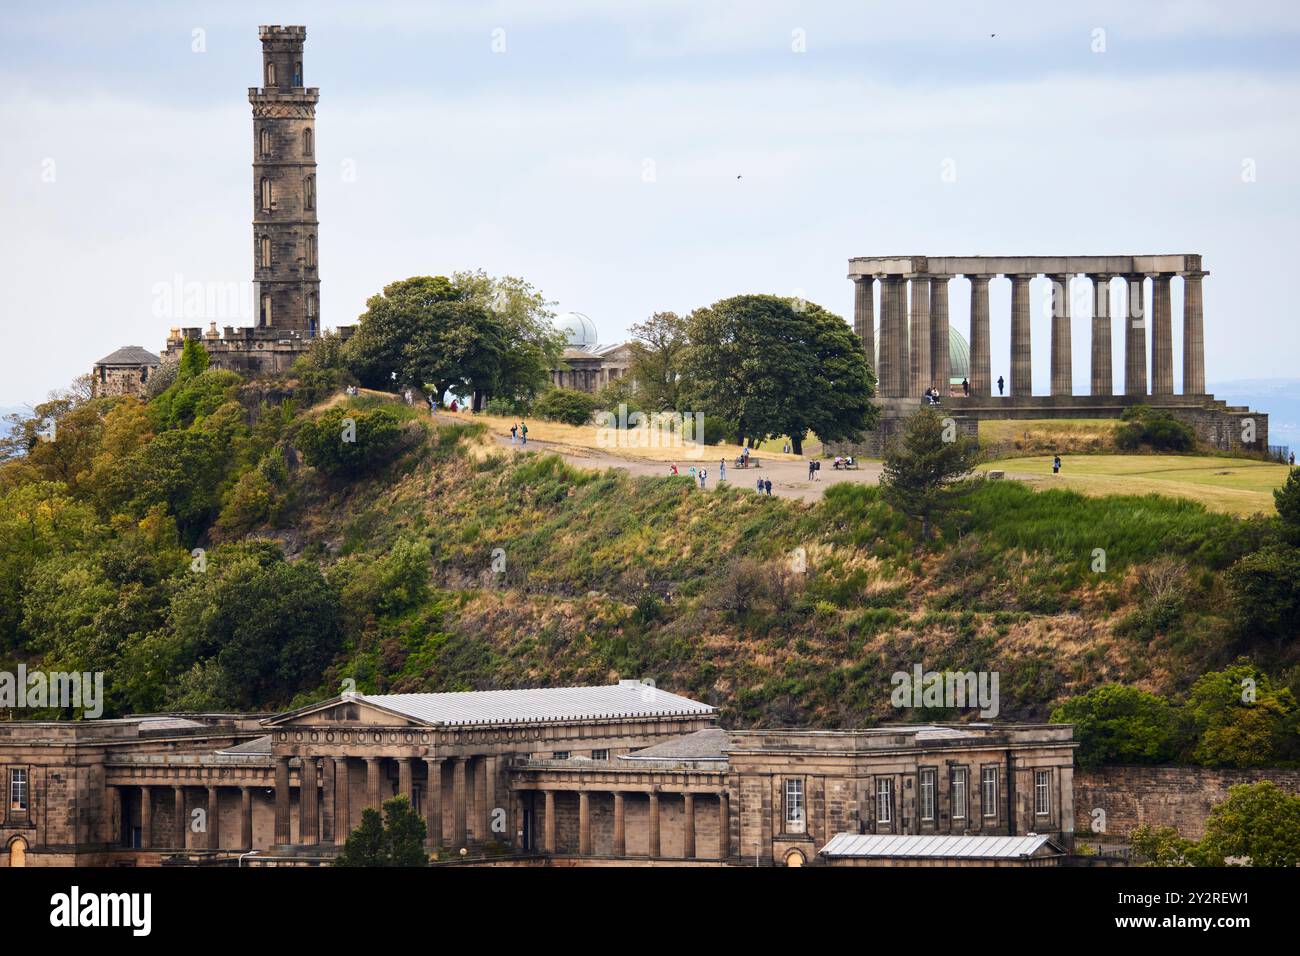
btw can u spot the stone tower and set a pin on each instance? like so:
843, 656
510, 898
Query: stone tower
285, 261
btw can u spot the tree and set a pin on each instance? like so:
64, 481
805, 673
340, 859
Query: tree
1118, 724
1162, 846
194, 360
774, 366
1265, 591
373, 438
397, 840
1287, 499
565, 405
1237, 718
1259, 823
927, 468
467, 334
657, 346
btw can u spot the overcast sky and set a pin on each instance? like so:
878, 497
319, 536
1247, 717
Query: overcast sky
628, 157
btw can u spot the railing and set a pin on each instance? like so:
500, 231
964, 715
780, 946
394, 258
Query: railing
1279, 452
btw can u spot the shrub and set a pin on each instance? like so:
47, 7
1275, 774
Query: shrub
1118, 724
1157, 430
565, 405
350, 442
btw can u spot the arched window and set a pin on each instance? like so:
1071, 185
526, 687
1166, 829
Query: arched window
307, 141
266, 310
266, 194
311, 252
266, 252
297, 73
270, 74
264, 142
309, 192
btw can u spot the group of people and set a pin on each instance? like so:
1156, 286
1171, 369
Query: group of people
814, 466
844, 461
932, 396
519, 433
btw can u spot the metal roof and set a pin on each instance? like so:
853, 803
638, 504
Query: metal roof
922, 845
624, 699
130, 355
708, 744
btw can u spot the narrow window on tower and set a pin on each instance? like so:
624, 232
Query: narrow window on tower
266, 310
297, 74
270, 74
266, 194
309, 192
306, 141
264, 142
311, 252
266, 252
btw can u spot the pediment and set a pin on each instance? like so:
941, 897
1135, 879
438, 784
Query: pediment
343, 712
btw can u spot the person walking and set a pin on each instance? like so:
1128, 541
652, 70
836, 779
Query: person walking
760, 486
767, 484
514, 433
673, 469
704, 477
812, 466
722, 470
1056, 465
1001, 384
523, 433
817, 469
965, 387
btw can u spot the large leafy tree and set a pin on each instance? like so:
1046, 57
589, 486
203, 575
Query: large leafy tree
467, 334
1118, 724
657, 346
927, 468
1258, 823
776, 366
1238, 718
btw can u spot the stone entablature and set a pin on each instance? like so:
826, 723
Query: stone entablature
991, 266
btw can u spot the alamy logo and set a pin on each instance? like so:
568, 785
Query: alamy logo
952, 689
102, 909
39, 689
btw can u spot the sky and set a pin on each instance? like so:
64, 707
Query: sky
634, 157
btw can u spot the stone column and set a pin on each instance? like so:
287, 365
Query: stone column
620, 836
724, 826
864, 319
481, 809
405, 782
458, 796
688, 821
491, 769
178, 815
654, 825
1021, 358
282, 837
981, 378
307, 819
146, 818
584, 823
1135, 340
433, 813
919, 343
1193, 335
214, 819
372, 783
342, 801
901, 355
1162, 336
891, 320
245, 818
548, 825
1062, 359
1102, 377
940, 360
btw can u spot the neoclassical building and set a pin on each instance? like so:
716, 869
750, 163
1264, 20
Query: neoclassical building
625, 774
586, 365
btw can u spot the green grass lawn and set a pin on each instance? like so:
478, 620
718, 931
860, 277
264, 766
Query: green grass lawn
1232, 485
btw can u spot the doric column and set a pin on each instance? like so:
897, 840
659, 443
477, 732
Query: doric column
1102, 377
327, 801
433, 814
864, 318
481, 809
981, 379
940, 360
146, 818
458, 799
688, 821
1135, 340
919, 336
548, 825
620, 836
282, 836
342, 801
405, 783
178, 813
490, 794
891, 321
307, 818
901, 355
1193, 335
214, 819
724, 825
1021, 358
653, 835
1162, 336
372, 783
584, 823
1062, 359
245, 818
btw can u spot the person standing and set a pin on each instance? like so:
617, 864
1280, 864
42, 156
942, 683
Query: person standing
767, 484
965, 387
1056, 465
704, 478
812, 466
722, 470
760, 486
514, 433
523, 432
1001, 384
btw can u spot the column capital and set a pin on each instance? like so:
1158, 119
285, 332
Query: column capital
1100, 276
1193, 274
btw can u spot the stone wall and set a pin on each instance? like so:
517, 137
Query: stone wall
1178, 797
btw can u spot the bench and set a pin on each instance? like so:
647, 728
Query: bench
845, 465
753, 463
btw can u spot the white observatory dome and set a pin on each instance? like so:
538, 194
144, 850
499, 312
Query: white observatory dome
578, 329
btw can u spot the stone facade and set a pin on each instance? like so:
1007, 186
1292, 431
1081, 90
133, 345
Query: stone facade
1178, 797
125, 372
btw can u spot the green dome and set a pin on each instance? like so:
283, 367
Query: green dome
958, 354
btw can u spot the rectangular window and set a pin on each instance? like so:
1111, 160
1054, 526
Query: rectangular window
1042, 792
885, 800
959, 799
794, 810
560, 755
989, 794
927, 794
600, 755
18, 789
